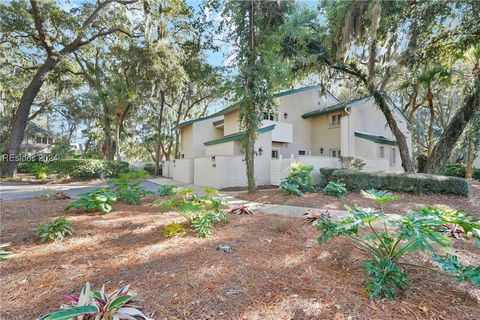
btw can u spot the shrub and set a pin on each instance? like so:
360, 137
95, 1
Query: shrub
201, 212
129, 192
404, 182
173, 229
53, 230
150, 168
422, 162
299, 179
97, 200
335, 189
352, 163
40, 171
459, 170
326, 175
138, 174
420, 230
46, 195
89, 168
167, 189
97, 304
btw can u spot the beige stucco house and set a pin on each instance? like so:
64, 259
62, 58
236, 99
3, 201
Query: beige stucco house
309, 125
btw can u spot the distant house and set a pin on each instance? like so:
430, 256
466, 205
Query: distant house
310, 125
37, 140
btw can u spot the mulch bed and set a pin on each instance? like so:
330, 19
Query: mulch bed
407, 202
276, 271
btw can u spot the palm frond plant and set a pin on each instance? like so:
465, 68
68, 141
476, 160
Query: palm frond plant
419, 230
98, 305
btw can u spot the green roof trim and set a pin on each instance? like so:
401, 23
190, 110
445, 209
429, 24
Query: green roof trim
237, 136
375, 138
334, 108
237, 105
217, 123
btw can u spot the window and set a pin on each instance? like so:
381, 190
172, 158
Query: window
38, 139
44, 140
272, 116
382, 152
274, 154
50, 141
335, 120
393, 156
335, 153
302, 152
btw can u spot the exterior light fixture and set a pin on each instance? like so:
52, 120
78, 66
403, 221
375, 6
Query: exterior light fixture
260, 151
321, 150
285, 115
213, 158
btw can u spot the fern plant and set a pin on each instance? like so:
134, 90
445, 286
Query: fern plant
54, 230
97, 304
97, 200
335, 189
419, 230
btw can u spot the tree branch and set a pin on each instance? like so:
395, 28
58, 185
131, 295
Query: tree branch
39, 27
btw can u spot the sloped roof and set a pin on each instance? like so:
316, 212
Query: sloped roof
237, 136
237, 105
375, 138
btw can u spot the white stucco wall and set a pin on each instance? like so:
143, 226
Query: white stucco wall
183, 170
324, 136
194, 135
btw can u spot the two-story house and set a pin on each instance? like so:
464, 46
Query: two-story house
309, 125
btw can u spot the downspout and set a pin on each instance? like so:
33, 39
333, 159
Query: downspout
348, 134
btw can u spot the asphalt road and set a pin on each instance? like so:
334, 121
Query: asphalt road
12, 191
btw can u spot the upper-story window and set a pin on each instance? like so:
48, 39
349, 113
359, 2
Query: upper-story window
44, 140
38, 139
50, 141
335, 120
272, 116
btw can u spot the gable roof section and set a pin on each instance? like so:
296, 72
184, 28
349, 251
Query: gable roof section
236, 106
237, 136
218, 122
375, 138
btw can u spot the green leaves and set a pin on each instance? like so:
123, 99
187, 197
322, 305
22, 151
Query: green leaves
335, 189
129, 192
381, 196
4, 254
97, 200
384, 277
299, 179
54, 230
167, 190
67, 314
452, 265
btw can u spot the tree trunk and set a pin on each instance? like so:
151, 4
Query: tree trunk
158, 146
251, 127
470, 157
407, 162
21, 116
432, 120
443, 148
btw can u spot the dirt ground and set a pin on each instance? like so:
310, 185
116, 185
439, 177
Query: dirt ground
277, 271
407, 202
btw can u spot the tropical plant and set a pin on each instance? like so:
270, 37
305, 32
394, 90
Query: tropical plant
137, 174
98, 305
97, 200
5, 254
54, 230
335, 189
299, 179
398, 237
129, 192
167, 189
202, 212
173, 229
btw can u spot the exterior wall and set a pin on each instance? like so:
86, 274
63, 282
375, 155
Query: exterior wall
231, 122
476, 162
167, 169
319, 162
183, 170
323, 136
193, 136
221, 149
370, 152
279, 170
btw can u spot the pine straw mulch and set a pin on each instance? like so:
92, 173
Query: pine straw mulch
277, 271
407, 202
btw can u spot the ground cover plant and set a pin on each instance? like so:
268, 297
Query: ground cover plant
420, 230
97, 200
5, 254
128, 191
167, 189
202, 212
54, 230
299, 179
173, 229
335, 189
98, 305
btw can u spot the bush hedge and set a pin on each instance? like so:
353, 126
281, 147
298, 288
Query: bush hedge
459, 170
403, 182
326, 175
89, 168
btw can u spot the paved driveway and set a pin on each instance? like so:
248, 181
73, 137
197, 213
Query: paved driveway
12, 191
